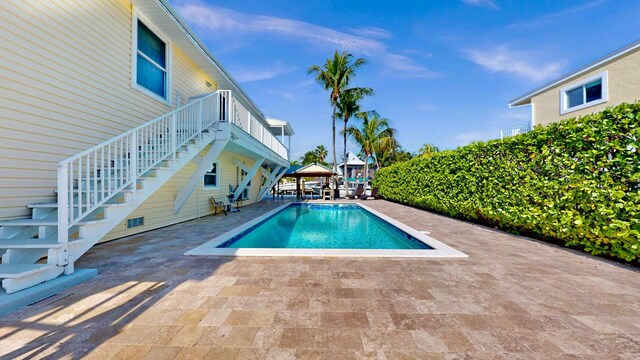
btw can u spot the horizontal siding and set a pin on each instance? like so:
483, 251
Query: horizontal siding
158, 209
65, 86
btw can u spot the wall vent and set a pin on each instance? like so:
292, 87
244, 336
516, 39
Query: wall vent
135, 222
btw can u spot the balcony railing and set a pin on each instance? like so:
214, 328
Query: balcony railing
514, 130
245, 120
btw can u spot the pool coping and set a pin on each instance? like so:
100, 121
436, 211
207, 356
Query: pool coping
440, 250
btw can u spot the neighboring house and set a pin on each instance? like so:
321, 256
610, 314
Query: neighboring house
606, 82
355, 167
81, 83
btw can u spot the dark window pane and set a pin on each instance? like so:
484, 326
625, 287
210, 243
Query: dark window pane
594, 90
210, 180
574, 97
150, 76
151, 45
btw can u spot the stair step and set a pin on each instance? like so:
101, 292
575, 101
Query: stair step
43, 222
10, 271
29, 243
55, 205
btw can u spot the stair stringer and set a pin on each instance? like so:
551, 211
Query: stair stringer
114, 216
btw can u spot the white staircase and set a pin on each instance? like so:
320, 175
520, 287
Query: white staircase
100, 187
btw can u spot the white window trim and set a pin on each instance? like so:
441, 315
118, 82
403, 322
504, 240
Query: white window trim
564, 101
213, 187
167, 100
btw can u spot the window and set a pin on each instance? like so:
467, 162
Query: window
587, 93
151, 62
212, 177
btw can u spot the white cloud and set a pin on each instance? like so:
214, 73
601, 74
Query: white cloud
503, 59
560, 15
408, 68
221, 21
472, 136
372, 31
489, 4
425, 54
249, 75
425, 107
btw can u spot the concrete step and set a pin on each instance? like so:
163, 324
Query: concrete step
14, 271
55, 205
43, 222
29, 243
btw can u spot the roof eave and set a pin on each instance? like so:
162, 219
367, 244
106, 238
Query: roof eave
526, 98
196, 41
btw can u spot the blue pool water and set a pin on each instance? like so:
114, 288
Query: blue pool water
329, 226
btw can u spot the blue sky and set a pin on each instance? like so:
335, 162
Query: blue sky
443, 71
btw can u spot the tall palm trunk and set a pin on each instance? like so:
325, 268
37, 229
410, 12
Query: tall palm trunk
345, 176
333, 128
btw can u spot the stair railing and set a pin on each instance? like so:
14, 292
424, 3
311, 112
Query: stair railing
89, 179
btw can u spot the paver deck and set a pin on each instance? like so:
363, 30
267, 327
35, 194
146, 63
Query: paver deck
512, 298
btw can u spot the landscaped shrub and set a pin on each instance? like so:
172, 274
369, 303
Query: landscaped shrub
577, 181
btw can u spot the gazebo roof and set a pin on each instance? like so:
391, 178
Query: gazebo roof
310, 170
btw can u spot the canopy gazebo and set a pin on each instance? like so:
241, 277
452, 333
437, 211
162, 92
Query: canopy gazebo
311, 170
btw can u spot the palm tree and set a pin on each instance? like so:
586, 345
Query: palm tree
428, 149
374, 135
334, 76
321, 153
349, 105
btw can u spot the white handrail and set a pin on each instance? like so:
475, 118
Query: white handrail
89, 179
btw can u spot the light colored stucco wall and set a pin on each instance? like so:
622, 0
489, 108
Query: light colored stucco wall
65, 86
623, 84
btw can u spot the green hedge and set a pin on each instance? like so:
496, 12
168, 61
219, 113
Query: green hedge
576, 181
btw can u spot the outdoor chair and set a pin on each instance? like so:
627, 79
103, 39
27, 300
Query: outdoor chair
359, 192
374, 194
222, 203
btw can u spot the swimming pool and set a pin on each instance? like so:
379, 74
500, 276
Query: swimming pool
331, 226
325, 229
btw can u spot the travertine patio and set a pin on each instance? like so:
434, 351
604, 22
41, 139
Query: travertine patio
512, 298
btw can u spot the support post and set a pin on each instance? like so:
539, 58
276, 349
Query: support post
62, 254
250, 174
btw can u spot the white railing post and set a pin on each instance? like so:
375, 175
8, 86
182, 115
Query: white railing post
200, 119
63, 203
174, 140
133, 160
249, 123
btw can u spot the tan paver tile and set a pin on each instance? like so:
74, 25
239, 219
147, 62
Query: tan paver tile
320, 338
192, 353
238, 318
163, 352
128, 352
241, 337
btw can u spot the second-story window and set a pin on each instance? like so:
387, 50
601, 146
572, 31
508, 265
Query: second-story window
152, 55
588, 92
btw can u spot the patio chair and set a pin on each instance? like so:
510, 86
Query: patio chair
222, 203
374, 194
359, 192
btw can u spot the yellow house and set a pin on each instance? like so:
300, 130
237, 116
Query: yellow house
116, 119
608, 81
